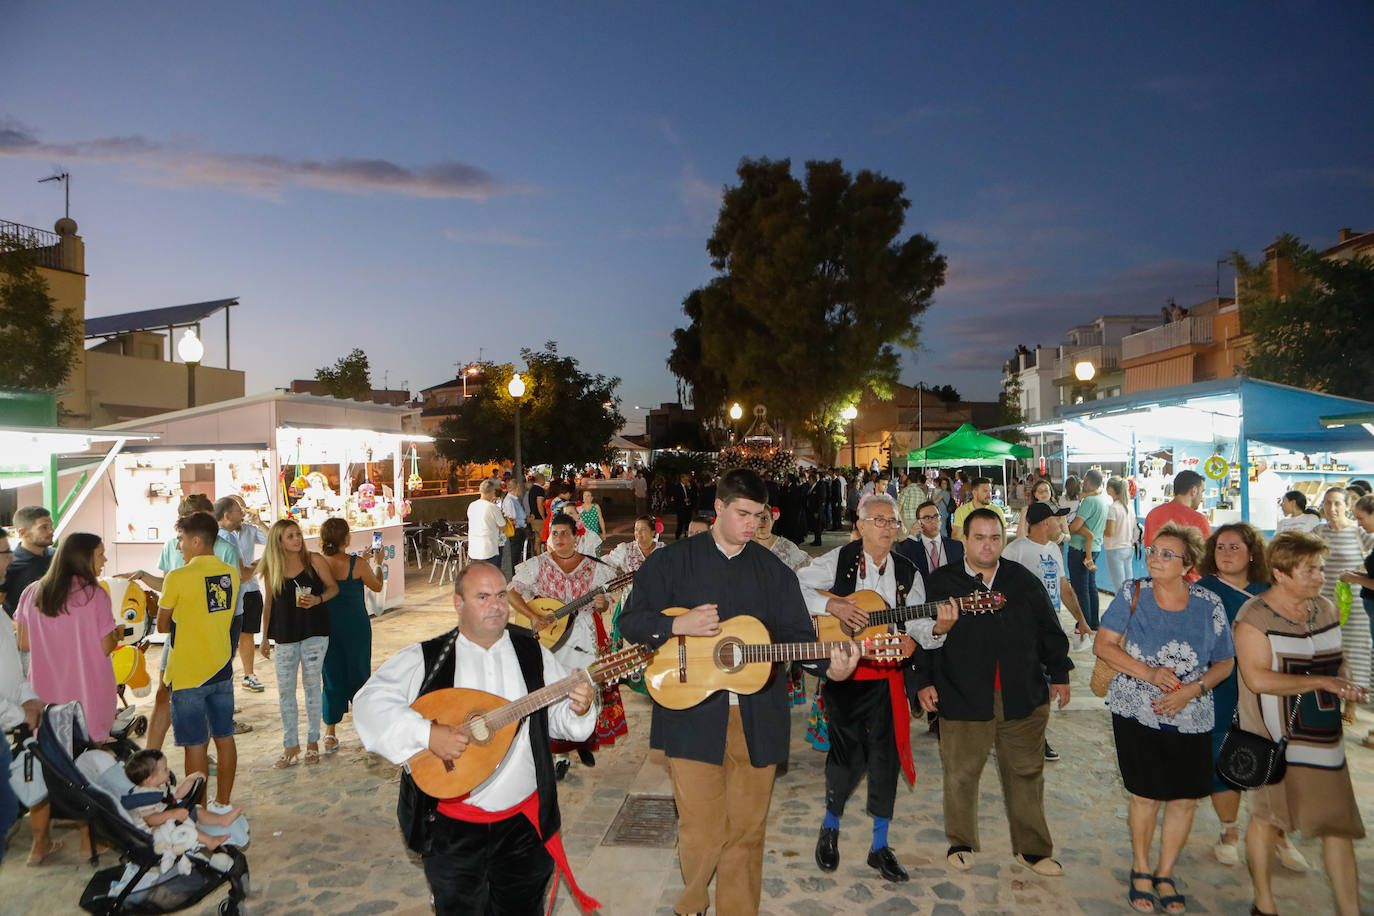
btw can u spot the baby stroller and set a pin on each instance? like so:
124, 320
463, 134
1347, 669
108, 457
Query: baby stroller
70, 761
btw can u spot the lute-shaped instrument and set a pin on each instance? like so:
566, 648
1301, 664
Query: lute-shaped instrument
880, 616
687, 669
491, 722
556, 632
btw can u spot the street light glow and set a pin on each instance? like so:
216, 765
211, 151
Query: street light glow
850, 412
516, 386
1084, 370
736, 411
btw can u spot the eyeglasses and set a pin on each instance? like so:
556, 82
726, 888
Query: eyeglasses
882, 521
1162, 554
927, 518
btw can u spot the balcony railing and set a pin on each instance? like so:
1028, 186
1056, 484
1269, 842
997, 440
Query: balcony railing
47, 245
1166, 337
1102, 357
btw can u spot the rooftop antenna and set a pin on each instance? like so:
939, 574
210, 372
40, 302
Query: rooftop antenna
66, 180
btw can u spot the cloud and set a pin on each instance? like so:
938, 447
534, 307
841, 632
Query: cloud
919, 114
184, 167
494, 237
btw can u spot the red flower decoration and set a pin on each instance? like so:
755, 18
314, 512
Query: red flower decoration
658, 525
777, 513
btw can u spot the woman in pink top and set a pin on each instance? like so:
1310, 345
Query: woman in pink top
66, 623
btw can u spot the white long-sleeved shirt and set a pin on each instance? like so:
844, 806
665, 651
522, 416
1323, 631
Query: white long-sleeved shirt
15, 690
819, 575
388, 726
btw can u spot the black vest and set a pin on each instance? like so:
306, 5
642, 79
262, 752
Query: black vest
417, 811
847, 571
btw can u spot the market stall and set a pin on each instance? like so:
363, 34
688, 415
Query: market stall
1250, 440
288, 455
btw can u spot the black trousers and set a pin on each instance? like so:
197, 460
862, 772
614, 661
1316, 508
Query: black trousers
862, 741
684, 518
499, 869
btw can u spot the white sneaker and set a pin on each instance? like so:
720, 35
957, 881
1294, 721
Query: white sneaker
215, 807
1290, 857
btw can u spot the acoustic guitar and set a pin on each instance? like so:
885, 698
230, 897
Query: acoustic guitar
687, 669
880, 616
491, 722
556, 633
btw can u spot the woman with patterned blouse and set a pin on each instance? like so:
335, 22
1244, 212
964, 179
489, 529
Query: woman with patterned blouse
1177, 648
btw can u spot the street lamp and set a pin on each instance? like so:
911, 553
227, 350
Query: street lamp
470, 370
736, 412
516, 387
190, 349
850, 413
1084, 370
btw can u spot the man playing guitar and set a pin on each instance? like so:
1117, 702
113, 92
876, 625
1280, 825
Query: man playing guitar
565, 575
722, 753
494, 849
868, 715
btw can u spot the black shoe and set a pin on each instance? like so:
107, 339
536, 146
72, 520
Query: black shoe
886, 863
780, 771
586, 757
828, 849
1050, 753
561, 767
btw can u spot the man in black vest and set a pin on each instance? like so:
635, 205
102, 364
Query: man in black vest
722, 753
869, 717
493, 850
987, 680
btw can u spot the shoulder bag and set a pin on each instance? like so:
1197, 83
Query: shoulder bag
1248, 760
1103, 672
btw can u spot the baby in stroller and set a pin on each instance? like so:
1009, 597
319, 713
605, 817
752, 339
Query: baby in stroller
152, 801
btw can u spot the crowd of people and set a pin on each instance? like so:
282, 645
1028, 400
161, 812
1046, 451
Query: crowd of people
1226, 631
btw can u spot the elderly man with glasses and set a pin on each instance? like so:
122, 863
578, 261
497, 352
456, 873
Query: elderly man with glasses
868, 715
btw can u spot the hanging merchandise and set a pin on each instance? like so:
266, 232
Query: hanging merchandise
300, 484
367, 493
414, 482
1216, 467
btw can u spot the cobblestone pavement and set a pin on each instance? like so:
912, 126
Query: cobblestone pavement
325, 837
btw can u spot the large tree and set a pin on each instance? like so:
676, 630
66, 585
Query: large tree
40, 342
349, 378
816, 293
567, 417
1309, 336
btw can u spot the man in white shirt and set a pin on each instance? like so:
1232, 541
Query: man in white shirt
469, 855
868, 716
1265, 492
1295, 514
485, 523
1039, 552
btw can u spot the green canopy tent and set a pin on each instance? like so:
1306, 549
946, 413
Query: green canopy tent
967, 445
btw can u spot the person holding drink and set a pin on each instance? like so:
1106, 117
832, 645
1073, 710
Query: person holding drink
297, 584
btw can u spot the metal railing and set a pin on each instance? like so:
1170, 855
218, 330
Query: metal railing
1165, 337
1102, 357
47, 245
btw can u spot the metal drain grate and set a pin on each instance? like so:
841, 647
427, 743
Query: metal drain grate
644, 820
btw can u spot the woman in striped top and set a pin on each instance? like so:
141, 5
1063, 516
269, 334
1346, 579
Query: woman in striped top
1349, 544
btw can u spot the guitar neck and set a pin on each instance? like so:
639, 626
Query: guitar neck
531, 703
791, 651
577, 604
902, 614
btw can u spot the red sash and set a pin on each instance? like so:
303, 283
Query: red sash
901, 712
460, 810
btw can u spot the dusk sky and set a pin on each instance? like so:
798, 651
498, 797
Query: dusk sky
431, 181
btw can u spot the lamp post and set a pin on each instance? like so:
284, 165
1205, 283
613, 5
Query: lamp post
851, 413
1084, 371
190, 349
470, 370
736, 412
516, 387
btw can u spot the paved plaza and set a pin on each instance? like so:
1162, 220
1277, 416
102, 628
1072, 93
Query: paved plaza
325, 838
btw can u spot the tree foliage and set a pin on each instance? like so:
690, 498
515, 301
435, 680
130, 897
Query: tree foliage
1308, 337
41, 343
947, 393
815, 294
1009, 409
567, 417
349, 378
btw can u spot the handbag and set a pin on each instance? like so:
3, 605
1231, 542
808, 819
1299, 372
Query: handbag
1103, 672
26, 776
1249, 761
509, 528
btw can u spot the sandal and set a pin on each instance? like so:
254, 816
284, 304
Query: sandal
1168, 900
331, 744
52, 850
312, 756
287, 760
1135, 896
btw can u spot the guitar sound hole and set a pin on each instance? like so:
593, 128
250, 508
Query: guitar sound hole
477, 728
730, 655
